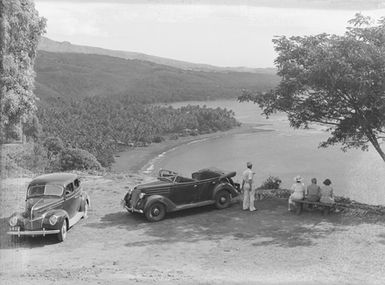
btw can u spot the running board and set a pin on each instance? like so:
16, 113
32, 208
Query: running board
194, 205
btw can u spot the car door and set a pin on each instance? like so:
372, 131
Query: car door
72, 200
185, 193
205, 189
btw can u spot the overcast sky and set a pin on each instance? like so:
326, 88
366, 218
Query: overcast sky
222, 33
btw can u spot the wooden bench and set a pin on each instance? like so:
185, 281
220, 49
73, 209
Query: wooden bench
299, 206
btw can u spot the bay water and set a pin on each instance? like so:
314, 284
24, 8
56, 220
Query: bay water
276, 149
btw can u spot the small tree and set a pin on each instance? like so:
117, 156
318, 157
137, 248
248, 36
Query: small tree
32, 128
338, 81
78, 159
53, 145
20, 30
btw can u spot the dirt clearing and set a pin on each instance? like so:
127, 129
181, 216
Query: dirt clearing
197, 246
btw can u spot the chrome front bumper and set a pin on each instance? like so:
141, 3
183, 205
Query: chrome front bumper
42, 232
130, 209
133, 210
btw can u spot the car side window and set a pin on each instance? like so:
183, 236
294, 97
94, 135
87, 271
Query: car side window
69, 189
77, 183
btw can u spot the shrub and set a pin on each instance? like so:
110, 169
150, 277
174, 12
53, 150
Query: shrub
32, 128
272, 182
54, 145
78, 159
157, 139
105, 157
24, 158
36, 160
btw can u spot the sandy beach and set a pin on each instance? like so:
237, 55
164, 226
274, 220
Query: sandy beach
135, 159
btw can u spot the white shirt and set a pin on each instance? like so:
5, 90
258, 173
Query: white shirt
247, 176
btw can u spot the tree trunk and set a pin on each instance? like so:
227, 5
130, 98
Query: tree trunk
374, 141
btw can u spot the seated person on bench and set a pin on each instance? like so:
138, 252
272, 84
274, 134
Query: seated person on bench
327, 192
298, 191
313, 193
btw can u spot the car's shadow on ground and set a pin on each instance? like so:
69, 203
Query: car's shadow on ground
124, 219
11, 242
272, 224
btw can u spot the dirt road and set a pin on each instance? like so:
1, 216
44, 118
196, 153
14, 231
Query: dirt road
198, 246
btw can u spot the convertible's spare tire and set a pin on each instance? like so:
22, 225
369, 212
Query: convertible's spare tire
155, 212
61, 236
222, 199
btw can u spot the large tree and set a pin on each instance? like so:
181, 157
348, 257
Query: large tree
20, 30
334, 80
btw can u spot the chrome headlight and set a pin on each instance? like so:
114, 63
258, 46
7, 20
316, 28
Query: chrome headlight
141, 195
13, 221
53, 220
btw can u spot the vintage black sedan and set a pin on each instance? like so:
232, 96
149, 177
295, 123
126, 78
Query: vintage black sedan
172, 192
54, 203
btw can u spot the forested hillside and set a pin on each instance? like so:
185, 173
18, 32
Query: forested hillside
93, 105
71, 75
100, 125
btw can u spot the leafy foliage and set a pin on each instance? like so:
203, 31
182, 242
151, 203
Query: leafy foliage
32, 128
272, 182
100, 125
78, 159
20, 29
338, 81
53, 145
21, 158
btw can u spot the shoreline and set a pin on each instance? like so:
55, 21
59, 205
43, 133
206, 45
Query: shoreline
136, 159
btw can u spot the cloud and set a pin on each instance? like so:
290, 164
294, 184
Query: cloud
308, 4
68, 19
214, 34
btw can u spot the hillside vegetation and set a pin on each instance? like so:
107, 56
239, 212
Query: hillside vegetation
71, 75
102, 126
92, 106
47, 44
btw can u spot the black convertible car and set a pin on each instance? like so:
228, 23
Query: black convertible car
172, 192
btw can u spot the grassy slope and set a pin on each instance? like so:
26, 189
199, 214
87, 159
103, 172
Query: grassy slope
81, 75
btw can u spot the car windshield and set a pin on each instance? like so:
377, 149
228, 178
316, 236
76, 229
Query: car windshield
45, 190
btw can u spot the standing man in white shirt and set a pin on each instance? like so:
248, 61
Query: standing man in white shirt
247, 188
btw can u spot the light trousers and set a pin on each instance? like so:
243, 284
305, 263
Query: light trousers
248, 198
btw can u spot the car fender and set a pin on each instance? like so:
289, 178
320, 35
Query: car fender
61, 214
225, 186
170, 206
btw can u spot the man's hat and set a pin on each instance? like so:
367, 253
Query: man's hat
298, 178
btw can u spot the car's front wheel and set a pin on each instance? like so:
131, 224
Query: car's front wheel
222, 199
61, 236
155, 212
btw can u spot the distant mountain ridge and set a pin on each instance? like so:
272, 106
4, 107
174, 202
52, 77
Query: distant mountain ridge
64, 75
49, 45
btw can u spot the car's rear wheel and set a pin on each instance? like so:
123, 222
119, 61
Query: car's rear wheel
61, 236
222, 199
155, 212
